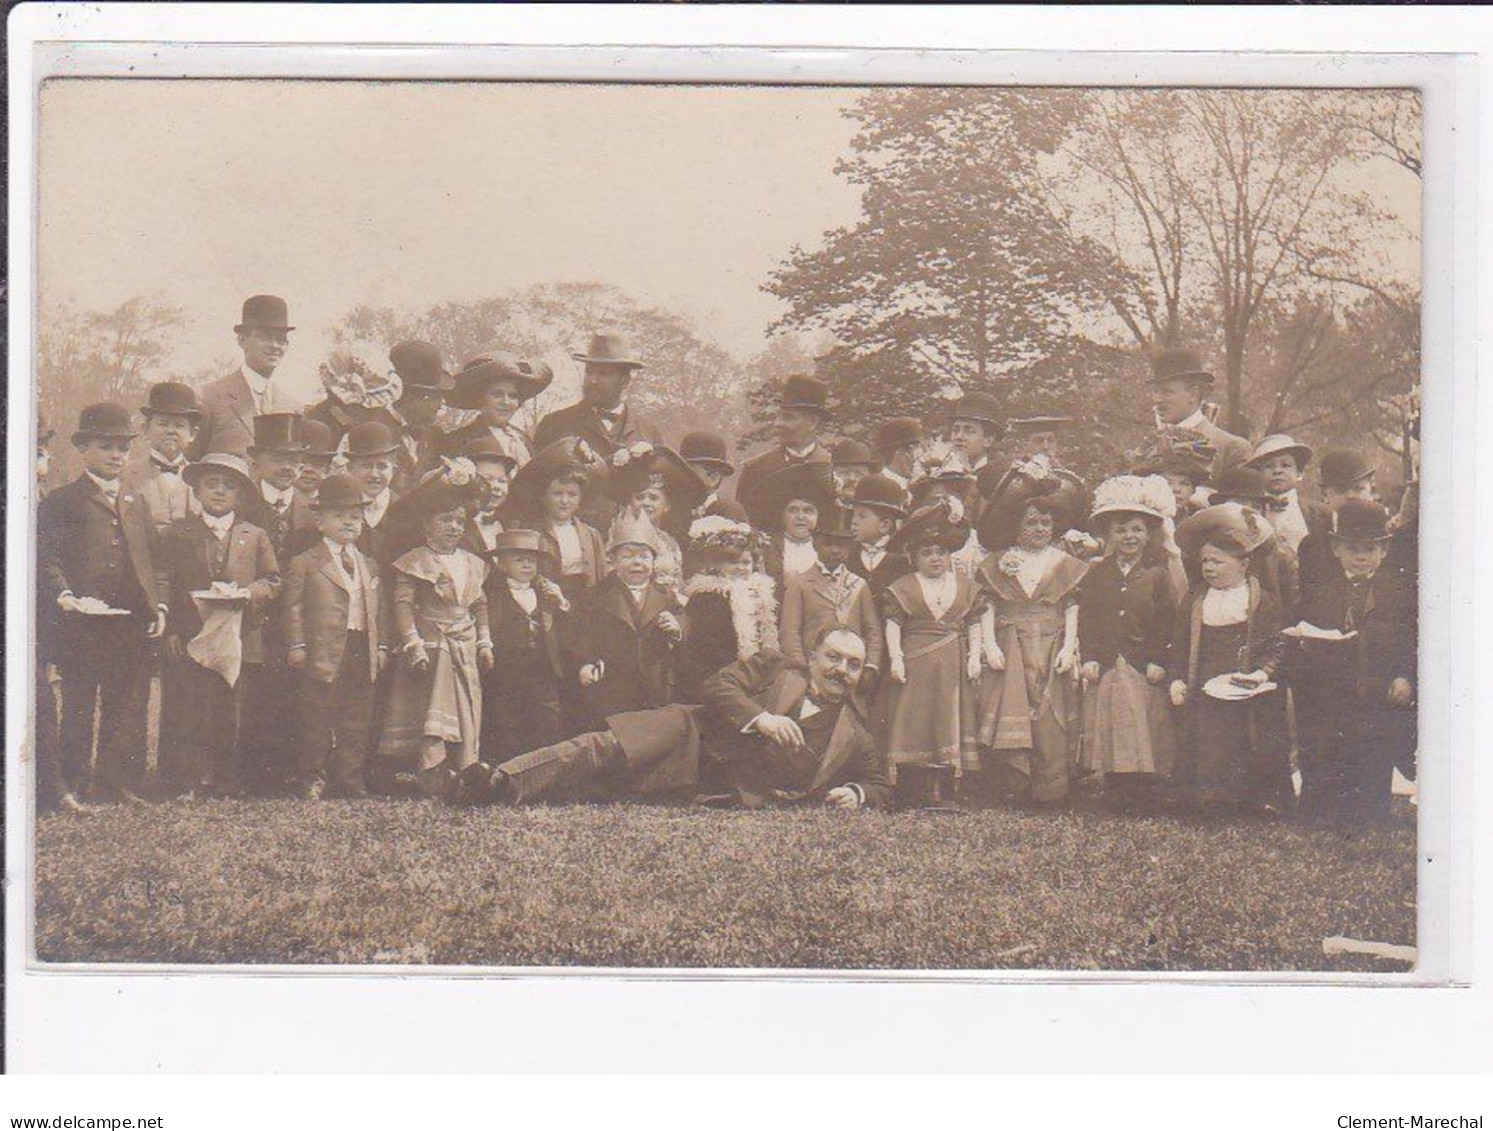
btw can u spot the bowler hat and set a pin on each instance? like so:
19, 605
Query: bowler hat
369, 439
1278, 444
982, 408
1241, 523
104, 421
521, 540
338, 491
660, 465
933, 524
419, 366
880, 494
548, 464
1179, 365
171, 398
850, 453
1245, 483
811, 482
474, 377
278, 432
1040, 423
264, 312
707, 449
318, 438
608, 349
929, 788
489, 448
1361, 520
803, 392
230, 463
1341, 469
898, 432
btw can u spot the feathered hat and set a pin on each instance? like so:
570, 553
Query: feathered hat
353, 379
1148, 495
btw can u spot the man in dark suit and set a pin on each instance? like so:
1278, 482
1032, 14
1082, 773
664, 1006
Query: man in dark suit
766, 734
230, 404
96, 571
803, 409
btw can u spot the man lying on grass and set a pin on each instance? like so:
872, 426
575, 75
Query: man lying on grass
765, 734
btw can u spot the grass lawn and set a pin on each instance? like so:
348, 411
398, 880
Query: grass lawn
400, 881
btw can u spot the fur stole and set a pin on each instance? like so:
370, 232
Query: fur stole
754, 608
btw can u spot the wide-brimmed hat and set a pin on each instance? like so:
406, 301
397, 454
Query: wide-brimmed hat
318, 438
727, 531
171, 398
634, 530
1178, 365
812, 482
548, 464
474, 377
954, 476
897, 432
982, 408
707, 449
369, 439
1342, 468
934, 524
803, 392
455, 483
1361, 520
278, 432
489, 448
419, 367
228, 463
1278, 444
880, 494
608, 349
851, 453
264, 312
521, 539
1243, 524
1242, 483
104, 421
1000, 521
1148, 495
1194, 462
338, 491
632, 471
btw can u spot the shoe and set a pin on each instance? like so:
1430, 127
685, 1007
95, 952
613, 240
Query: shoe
68, 803
474, 784
312, 791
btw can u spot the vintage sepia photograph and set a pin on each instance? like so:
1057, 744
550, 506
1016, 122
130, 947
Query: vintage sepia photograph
497, 524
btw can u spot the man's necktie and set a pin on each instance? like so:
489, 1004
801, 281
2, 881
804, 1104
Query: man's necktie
349, 565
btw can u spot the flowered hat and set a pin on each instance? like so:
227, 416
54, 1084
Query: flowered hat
1243, 524
636, 467
930, 525
1148, 495
352, 379
454, 483
723, 534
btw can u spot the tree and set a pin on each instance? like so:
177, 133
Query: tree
957, 276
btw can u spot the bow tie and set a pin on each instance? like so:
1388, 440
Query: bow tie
486, 518
609, 417
1360, 579
173, 468
1277, 504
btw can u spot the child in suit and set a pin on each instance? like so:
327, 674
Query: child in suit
316, 460
334, 648
619, 643
828, 593
521, 695
495, 467
1355, 699
171, 415
95, 568
875, 509
204, 696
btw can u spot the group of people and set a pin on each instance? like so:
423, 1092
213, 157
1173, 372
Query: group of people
399, 589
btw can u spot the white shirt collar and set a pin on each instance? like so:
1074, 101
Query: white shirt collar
1226, 606
801, 453
276, 495
219, 525
899, 480
1194, 422
109, 487
638, 590
373, 512
336, 548
173, 466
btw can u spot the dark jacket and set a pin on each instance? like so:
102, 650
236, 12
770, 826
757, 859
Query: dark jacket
636, 654
757, 470
891, 567
581, 420
1131, 616
195, 560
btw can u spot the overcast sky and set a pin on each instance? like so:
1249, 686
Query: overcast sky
408, 194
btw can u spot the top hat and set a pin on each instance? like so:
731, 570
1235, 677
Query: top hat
1241, 523
898, 432
660, 465
850, 453
1341, 469
524, 540
1149, 495
338, 491
230, 463
104, 421
934, 524
708, 449
264, 312
171, 398
419, 367
880, 494
278, 432
929, 788
608, 349
634, 530
474, 377
369, 439
318, 438
1246, 483
835, 523
982, 408
1178, 365
811, 482
1040, 423
807, 393
1275, 445
1361, 520
548, 463
487, 447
